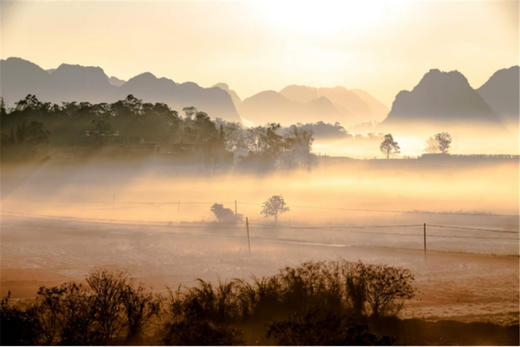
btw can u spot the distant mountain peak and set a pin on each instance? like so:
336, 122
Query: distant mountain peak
441, 97
65, 66
116, 81
501, 92
436, 77
190, 84
145, 76
299, 103
234, 96
222, 85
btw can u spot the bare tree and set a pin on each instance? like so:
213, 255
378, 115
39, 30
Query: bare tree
383, 287
108, 291
389, 146
439, 143
274, 206
140, 305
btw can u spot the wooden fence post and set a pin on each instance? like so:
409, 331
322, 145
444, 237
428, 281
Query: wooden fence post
248, 237
424, 232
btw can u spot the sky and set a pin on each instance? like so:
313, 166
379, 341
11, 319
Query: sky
379, 46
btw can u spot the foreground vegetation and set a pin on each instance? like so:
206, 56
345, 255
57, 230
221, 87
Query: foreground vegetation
317, 303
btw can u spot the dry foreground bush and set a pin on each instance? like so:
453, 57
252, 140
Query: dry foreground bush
317, 303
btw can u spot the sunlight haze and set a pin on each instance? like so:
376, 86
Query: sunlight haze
382, 47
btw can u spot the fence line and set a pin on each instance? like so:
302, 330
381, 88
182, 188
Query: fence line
330, 208
341, 227
472, 228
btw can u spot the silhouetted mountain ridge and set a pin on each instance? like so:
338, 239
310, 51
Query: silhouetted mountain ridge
300, 104
501, 93
88, 83
441, 97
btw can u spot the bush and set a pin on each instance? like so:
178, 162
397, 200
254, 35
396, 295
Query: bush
383, 287
201, 333
316, 303
66, 315
17, 326
109, 310
324, 328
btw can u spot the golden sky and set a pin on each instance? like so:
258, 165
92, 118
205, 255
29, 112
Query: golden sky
379, 46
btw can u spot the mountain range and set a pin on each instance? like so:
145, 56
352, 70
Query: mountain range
306, 104
20, 77
439, 97
447, 98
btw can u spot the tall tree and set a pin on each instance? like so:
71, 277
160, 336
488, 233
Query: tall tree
274, 206
389, 146
439, 143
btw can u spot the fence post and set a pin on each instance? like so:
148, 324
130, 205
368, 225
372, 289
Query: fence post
236, 210
424, 231
248, 238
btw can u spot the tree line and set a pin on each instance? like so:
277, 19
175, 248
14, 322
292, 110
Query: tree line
132, 124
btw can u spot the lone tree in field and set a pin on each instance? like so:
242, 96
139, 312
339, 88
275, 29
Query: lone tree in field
273, 206
389, 146
439, 143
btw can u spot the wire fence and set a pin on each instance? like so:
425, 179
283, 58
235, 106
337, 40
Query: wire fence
396, 231
388, 229
316, 207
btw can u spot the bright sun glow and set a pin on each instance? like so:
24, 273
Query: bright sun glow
327, 17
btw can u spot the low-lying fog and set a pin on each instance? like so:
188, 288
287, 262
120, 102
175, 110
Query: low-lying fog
413, 142
59, 222
329, 192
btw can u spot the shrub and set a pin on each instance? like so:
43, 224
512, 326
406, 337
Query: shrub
383, 287
108, 310
314, 303
324, 328
18, 326
66, 316
201, 333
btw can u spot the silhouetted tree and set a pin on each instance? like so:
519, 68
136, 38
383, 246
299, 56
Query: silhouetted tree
67, 315
223, 214
439, 143
389, 146
139, 306
3, 110
383, 287
274, 206
100, 130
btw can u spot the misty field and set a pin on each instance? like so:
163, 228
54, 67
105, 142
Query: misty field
155, 222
